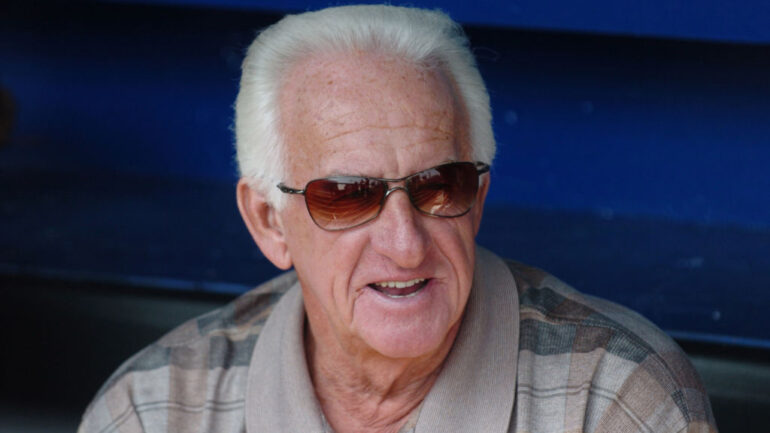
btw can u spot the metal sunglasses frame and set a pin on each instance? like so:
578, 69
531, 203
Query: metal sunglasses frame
481, 168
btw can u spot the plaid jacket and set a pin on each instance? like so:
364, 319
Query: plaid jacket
532, 355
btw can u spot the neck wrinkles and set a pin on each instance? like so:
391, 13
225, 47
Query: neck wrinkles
364, 391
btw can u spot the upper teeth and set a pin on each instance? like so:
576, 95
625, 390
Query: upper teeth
400, 284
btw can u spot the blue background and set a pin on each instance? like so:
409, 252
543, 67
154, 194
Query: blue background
633, 146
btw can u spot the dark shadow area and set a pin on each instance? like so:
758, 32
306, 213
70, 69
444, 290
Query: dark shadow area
64, 339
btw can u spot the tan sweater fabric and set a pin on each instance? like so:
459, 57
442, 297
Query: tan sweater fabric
532, 355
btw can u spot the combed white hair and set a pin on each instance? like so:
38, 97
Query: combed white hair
416, 35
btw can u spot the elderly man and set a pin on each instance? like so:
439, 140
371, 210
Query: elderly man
364, 141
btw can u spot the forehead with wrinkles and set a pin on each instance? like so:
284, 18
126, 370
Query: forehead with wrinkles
363, 98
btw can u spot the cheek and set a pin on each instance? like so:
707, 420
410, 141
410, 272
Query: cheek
463, 240
455, 239
325, 262
303, 241
297, 233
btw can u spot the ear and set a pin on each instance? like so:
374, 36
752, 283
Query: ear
478, 207
264, 224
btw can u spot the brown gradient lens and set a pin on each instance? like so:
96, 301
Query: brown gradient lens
447, 190
342, 202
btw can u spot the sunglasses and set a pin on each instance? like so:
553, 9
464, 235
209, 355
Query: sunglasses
342, 202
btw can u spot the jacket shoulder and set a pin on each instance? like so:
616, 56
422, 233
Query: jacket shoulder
616, 365
198, 367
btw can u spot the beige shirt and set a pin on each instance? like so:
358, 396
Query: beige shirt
532, 355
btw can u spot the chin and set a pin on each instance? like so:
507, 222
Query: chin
412, 338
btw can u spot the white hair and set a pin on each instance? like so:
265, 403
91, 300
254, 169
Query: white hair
419, 36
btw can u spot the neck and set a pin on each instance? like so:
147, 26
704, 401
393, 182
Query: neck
362, 391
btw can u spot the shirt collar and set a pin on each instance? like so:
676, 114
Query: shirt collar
476, 386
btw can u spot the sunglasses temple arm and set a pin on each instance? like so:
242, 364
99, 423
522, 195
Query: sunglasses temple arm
482, 168
289, 190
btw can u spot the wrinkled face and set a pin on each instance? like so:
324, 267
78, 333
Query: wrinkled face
396, 285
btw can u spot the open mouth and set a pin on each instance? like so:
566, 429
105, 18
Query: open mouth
400, 289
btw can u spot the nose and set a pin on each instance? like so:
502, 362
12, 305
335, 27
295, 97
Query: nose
398, 231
